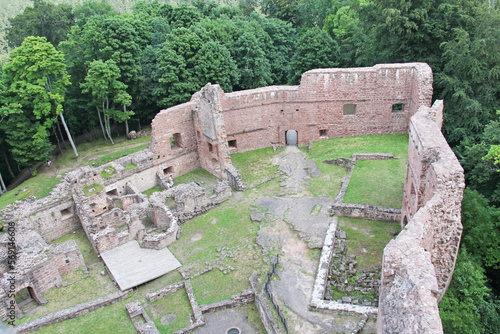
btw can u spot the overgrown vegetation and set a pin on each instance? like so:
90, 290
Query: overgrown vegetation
256, 166
92, 189
107, 172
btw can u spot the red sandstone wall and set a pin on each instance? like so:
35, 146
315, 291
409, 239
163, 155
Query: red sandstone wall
260, 117
418, 265
178, 119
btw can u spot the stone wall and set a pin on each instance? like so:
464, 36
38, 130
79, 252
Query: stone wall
260, 117
418, 265
72, 312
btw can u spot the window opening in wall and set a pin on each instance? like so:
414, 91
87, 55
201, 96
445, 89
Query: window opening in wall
66, 213
349, 109
232, 143
291, 137
323, 133
397, 107
112, 192
176, 140
210, 147
405, 221
168, 170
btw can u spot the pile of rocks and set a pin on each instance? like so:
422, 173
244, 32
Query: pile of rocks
359, 287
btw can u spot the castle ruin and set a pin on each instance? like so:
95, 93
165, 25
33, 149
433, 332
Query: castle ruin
204, 132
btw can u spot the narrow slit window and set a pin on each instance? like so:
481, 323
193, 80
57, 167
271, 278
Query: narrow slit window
210, 147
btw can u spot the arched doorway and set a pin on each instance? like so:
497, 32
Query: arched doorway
291, 137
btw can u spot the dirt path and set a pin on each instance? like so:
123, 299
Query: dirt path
297, 169
290, 227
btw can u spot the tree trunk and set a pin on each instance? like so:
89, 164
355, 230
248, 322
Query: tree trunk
4, 188
68, 134
100, 121
126, 121
57, 139
61, 135
107, 122
7, 162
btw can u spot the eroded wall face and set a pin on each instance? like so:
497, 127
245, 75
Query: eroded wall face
173, 140
418, 265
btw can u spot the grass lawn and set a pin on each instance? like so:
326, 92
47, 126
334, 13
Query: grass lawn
375, 182
96, 152
39, 186
109, 319
254, 165
366, 239
175, 306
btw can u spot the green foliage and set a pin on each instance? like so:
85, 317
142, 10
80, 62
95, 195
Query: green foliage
92, 189
44, 19
35, 81
481, 233
467, 306
130, 166
315, 49
108, 172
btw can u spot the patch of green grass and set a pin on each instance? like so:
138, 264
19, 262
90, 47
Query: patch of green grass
87, 150
130, 166
254, 165
201, 176
109, 319
345, 147
366, 239
151, 191
363, 188
92, 189
108, 172
39, 186
176, 303
377, 182
89, 288
115, 155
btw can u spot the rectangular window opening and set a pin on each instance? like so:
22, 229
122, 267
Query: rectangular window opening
397, 107
112, 192
67, 213
210, 147
323, 133
176, 140
349, 109
232, 143
168, 170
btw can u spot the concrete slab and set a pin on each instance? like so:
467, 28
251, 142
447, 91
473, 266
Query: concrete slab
130, 265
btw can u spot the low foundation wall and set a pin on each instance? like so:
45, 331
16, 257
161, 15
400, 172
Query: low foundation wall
72, 312
370, 212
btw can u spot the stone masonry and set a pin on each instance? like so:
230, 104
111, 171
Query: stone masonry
202, 133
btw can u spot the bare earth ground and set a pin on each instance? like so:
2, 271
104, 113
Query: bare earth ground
289, 225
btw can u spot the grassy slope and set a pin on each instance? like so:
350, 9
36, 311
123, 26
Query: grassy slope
94, 153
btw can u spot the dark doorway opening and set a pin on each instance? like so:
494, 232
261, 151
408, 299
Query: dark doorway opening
291, 137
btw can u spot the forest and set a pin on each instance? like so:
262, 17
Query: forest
73, 70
